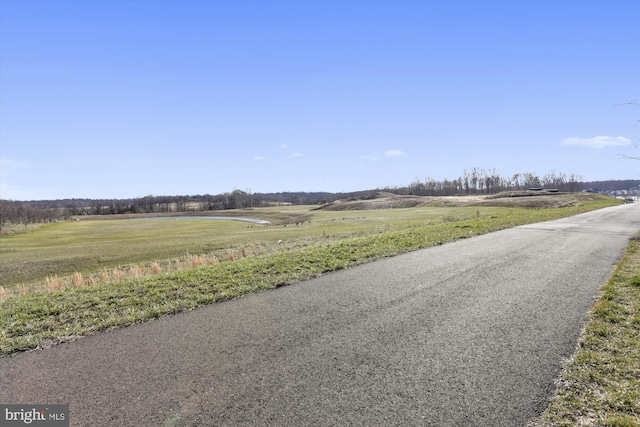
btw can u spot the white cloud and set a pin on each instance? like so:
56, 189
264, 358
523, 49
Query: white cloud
374, 157
597, 141
258, 158
295, 155
393, 153
283, 146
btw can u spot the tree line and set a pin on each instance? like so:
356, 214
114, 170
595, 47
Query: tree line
13, 212
474, 181
481, 181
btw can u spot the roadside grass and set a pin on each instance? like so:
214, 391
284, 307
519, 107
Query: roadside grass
600, 384
35, 320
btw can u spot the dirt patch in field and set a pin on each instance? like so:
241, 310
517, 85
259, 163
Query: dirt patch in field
378, 200
525, 199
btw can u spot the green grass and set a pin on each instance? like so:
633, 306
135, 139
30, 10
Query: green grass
600, 385
42, 319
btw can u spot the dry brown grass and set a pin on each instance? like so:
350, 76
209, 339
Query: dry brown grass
77, 280
137, 270
54, 283
118, 274
196, 261
156, 269
106, 276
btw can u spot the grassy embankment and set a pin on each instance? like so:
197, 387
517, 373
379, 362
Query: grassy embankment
98, 243
330, 241
600, 385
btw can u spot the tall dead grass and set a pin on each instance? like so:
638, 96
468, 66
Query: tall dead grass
156, 269
19, 290
105, 276
77, 280
54, 283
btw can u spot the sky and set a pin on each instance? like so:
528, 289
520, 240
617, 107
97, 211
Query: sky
128, 98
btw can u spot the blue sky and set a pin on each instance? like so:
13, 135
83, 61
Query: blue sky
124, 98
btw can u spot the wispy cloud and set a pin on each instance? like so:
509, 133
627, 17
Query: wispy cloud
296, 155
393, 153
258, 158
597, 141
374, 157
283, 146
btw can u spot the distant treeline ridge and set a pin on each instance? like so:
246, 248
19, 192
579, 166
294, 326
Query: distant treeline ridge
475, 181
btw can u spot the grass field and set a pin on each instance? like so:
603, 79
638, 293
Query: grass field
90, 245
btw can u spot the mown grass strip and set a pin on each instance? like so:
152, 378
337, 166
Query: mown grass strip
44, 319
600, 385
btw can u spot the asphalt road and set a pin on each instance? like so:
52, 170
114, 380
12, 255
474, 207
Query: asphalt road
470, 333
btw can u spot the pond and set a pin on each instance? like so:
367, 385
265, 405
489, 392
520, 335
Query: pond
227, 218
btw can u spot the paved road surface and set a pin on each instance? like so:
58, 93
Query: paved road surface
470, 333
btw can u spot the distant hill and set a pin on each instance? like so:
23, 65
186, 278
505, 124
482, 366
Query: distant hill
471, 183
